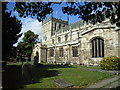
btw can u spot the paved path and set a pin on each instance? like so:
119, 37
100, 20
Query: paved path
113, 85
105, 82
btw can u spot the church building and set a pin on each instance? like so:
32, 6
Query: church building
77, 43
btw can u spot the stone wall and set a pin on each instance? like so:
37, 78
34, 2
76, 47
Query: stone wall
80, 36
44, 55
46, 32
109, 35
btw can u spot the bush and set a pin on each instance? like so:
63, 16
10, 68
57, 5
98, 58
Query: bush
110, 63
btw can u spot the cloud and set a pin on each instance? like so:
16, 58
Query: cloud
30, 24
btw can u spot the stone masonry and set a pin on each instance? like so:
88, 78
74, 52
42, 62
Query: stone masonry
77, 43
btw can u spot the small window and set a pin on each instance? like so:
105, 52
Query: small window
63, 25
59, 39
78, 35
51, 52
55, 26
59, 26
52, 41
61, 52
75, 51
66, 37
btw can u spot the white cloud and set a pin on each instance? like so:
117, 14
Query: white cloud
30, 24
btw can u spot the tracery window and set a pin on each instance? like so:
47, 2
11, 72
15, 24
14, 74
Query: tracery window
97, 47
75, 51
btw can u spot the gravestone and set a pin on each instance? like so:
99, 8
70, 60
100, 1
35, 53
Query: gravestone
35, 60
62, 83
27, 72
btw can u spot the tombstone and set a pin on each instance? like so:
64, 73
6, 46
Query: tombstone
35, 60
62, 83
27, 72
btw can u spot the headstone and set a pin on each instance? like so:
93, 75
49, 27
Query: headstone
27, 72
35, 60
62, 83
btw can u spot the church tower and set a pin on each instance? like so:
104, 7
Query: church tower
49, 27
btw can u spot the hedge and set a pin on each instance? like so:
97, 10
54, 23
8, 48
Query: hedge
110, 63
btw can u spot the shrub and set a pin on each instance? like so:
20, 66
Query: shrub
110, 63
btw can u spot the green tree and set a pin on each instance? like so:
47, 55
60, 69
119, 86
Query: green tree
25, 47
12, 54
91, 12
11, 28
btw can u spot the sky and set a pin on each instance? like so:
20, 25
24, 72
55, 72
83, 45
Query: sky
34, 25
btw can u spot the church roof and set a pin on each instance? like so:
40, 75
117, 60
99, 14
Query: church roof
73, 25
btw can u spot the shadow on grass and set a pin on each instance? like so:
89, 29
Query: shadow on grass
41, 71
12, 75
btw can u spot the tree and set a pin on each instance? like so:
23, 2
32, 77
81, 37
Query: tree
11, 28
25, 47
91, 12
12, 54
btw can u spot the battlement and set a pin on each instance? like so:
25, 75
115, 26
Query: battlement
56, 20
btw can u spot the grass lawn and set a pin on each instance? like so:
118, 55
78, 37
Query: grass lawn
44, 75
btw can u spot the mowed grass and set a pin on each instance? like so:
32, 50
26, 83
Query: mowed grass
72, 74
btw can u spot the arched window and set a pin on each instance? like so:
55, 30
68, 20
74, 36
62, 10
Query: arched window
97, 47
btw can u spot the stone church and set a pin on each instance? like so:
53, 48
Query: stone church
77, 43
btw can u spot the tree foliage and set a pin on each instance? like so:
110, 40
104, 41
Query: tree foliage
34, 9
12, 54
25, 47
92, 12
11, 28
